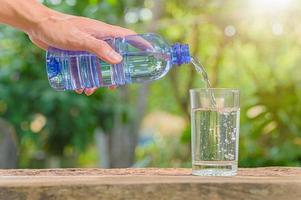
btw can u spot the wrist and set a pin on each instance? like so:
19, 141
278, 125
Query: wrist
24, 15
34, 15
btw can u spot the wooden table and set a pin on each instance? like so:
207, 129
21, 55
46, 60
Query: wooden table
171, 184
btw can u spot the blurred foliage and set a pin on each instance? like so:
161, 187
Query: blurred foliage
250, 48
51, 123
162, 153
241, 46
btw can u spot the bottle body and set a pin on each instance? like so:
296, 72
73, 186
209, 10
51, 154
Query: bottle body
146, 57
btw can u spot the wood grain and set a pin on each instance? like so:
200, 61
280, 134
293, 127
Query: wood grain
257, 183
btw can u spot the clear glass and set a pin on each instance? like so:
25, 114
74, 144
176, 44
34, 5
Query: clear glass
214, 131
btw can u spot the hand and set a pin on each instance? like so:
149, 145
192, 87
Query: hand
78, 33
47, 27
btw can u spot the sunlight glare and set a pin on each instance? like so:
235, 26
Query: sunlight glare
270, 4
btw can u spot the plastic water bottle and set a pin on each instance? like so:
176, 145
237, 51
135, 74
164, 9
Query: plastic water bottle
146, 57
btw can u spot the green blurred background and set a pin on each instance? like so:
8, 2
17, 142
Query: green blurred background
253, 45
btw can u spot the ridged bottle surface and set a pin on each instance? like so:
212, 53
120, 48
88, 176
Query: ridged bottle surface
146, 57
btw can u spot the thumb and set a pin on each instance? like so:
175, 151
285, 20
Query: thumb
102, 49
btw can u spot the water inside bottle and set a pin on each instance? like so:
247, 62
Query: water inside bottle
201, 70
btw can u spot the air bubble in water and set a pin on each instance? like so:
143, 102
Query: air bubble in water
229, 157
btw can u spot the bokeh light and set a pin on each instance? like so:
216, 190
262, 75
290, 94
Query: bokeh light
131, 17
277, 29
145, 14
230, 31
71, 2
38, 123
56, 2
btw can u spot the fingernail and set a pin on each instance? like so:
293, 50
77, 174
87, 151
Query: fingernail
79, 91
112, 87
88, 92
115, 56
94, 89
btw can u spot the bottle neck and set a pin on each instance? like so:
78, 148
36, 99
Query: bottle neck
180, 54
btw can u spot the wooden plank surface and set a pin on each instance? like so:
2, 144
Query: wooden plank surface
257, 183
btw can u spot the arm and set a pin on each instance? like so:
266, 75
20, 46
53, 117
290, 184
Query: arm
22, 14
47, 27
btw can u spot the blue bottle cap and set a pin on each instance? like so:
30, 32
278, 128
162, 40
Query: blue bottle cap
180, 54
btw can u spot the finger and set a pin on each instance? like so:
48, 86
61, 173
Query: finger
140, 42
101, 49
94, 90
116, 31
112, 87
132, 37
101, 29
38, 43
89, 91
79, 91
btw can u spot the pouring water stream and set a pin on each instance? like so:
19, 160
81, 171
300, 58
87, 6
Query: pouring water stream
200, 69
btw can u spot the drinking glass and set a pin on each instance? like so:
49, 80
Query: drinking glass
215, 131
